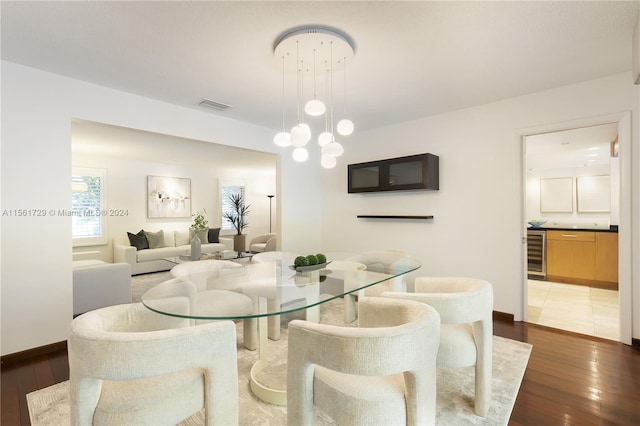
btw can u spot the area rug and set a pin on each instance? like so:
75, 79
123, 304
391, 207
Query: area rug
50, 406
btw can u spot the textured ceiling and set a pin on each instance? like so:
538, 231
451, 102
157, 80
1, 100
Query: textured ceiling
413, 59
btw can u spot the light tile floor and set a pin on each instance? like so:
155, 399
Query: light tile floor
576, 308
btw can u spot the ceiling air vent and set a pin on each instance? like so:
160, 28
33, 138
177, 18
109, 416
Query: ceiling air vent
214, 105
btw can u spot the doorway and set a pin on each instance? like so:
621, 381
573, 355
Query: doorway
573, 154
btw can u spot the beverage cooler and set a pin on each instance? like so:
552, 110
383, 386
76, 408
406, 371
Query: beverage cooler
536, 254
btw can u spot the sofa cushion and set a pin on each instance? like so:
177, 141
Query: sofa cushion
213, 235
155, 239
139, 240
160, 253
182, 237
257, 247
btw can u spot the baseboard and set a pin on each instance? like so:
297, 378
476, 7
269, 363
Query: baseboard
503, 316
33, 352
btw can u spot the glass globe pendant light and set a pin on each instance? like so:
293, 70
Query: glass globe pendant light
328, 161
333, 149
299, 136
314, 107
282, 139
300, 154
345, 127
324, 138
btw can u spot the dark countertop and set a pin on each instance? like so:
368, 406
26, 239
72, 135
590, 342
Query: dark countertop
612, 228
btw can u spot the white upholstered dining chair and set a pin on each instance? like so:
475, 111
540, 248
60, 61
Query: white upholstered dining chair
465, 306
381, 372
214, 298
383, 261
129, 365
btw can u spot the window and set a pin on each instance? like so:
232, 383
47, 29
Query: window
88, 206
227, 191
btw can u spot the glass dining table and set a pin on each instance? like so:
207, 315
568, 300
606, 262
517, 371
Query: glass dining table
258, 291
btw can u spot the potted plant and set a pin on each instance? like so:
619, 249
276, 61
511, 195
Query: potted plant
199, 227
238, 218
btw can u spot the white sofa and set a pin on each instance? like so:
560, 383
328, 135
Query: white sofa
176, 243
97, 284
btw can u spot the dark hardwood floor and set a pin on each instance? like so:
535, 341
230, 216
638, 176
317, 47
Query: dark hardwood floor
570, 380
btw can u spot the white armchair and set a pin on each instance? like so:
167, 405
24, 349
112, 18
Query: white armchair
465, 306
263, 242
129, 365
383, 372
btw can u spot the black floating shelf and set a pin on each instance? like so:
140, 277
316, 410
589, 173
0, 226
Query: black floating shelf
373, 216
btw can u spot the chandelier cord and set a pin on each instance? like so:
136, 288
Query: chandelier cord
345, 86
283, 124
314, 74
301, 91
326, 93
331, 84
298, 81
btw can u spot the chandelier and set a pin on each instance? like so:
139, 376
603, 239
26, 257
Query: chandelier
310, 52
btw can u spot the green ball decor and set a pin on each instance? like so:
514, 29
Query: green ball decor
301, 261
321, 258
312, 259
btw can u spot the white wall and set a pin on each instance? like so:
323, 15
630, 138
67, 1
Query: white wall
37, 110
479, 221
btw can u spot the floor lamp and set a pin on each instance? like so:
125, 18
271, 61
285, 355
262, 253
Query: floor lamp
270, 198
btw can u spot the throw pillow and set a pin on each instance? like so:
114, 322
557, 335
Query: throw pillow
182, 237
139, 240
156, 239
214, 235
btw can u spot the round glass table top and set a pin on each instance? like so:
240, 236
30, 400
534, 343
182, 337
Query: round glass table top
269, 284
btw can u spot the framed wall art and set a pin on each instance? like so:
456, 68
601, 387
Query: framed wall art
168, 197
556, 195
594, 194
